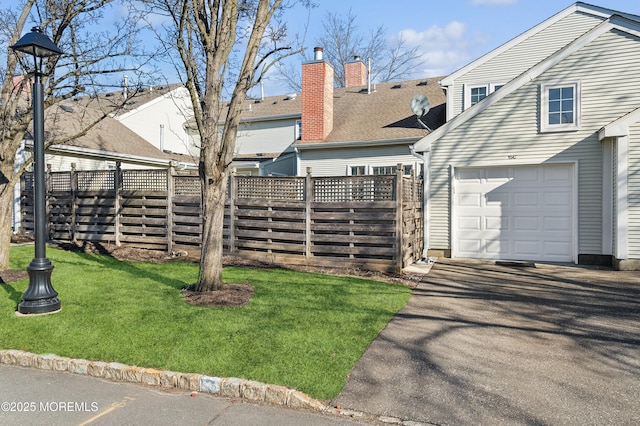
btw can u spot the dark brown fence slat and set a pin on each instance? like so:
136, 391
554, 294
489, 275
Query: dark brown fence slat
372, 222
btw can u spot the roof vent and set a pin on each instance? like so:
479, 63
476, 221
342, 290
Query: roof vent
423, 83
396, 86
66, 108
290, 97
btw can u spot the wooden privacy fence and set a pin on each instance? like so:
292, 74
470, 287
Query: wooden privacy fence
370, 222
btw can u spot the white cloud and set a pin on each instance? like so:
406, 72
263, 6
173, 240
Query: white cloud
444, 49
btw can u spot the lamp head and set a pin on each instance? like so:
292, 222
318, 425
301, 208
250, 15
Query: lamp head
37, 44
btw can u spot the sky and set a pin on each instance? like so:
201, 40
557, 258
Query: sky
448, 33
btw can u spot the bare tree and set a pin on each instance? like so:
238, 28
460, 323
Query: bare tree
226, 47
90, 56
342, 40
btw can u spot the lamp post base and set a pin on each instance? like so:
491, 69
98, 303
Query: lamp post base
40, 297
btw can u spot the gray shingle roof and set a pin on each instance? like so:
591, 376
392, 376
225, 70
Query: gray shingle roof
384, 114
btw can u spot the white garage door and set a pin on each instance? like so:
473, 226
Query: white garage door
515, 213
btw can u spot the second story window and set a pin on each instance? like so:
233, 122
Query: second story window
474, 93
478, 94
559, 107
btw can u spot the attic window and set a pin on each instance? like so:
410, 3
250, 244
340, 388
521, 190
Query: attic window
560, 107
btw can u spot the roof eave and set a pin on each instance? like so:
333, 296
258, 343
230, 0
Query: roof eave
82, 152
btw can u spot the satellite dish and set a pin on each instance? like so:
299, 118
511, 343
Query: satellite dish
420, 105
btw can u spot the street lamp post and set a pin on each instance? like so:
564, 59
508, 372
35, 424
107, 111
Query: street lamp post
40, 297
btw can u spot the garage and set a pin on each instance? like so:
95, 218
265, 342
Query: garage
514, 213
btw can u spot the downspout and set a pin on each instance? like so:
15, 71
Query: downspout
426, 195
297, 165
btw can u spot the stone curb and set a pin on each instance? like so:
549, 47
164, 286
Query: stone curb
232, 387
248, 390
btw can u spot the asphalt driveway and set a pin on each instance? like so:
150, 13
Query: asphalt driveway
485, 344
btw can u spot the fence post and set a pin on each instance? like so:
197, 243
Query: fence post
171, 187
48, 187
399, 220
74, 202
308, 198
232, 199
117, 183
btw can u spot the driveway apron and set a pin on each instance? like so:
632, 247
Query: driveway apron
480, 343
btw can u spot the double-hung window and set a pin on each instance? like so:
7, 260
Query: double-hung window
559, 107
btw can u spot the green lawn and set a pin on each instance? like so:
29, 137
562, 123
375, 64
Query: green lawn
301, 330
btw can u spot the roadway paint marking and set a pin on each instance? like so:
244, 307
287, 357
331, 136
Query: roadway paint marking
108, 410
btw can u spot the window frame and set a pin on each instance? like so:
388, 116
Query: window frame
489, 88
351, 167
545, 126
297, 130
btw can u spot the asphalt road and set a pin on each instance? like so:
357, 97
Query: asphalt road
38, 397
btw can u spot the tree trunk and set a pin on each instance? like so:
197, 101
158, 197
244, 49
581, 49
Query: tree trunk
6, 220
213, 199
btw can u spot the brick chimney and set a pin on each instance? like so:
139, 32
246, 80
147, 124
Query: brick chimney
355, 73
317, 98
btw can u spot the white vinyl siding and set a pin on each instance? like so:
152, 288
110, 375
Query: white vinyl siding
526, 54
507, 134
171, 111
634, 193
273, 137
336, 162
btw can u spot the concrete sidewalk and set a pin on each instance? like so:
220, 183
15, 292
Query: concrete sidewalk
485, 344
30, 396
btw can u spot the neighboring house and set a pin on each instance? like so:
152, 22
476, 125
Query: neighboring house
547, 167
266, 133
361, 128
98, 147
159, 115
358, 129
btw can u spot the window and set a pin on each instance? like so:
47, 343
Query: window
559, 107
298, 130
357, 170
474, 93
384, 170
478, 94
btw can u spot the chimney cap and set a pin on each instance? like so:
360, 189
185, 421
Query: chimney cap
317, 53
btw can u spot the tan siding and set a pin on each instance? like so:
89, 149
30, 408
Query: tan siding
526, 54
507, 132
634, 193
